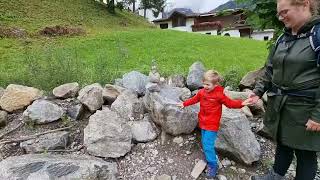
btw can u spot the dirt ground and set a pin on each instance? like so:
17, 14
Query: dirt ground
147, 161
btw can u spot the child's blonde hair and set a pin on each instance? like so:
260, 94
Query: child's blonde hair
212, 76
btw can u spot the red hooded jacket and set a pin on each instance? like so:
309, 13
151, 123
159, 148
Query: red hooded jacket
211, 107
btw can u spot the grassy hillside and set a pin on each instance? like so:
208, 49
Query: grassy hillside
114, 45
33, 15
102, 58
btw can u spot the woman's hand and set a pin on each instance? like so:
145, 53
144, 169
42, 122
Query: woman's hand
313, 126
253, 98
246, 102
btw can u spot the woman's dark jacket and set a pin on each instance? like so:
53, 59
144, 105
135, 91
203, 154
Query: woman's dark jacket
292, 82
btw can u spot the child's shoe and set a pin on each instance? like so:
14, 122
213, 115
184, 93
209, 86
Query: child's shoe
212, 171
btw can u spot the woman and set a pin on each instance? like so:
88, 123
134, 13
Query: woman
292, 82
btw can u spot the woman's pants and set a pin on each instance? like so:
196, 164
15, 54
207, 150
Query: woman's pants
306, 162
208, 139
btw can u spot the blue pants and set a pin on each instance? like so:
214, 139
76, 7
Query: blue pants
208, 140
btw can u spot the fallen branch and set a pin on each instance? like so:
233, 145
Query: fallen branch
17, 127
33, 136
63, 150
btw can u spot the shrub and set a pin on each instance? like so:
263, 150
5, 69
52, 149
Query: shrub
61, 30
232, 77
6, 32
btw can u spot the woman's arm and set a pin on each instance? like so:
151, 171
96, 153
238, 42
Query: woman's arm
264, 82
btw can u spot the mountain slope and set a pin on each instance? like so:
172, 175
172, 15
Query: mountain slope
33, 15
229, 5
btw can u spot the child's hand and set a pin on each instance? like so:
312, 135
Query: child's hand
180, 105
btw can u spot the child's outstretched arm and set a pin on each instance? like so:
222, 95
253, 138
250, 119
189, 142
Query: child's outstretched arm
195, 99
180, 105
230, 103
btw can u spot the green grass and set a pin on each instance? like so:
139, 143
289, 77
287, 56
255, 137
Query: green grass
112, 46
34, 15
46, 63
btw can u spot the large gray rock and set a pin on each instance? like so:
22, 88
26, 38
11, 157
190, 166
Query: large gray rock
3, 118
91, 97
66, 90
52, 141
165, 113
128, 106
235, 137
42, 112
194, 79
107, 135
56, 167
18, 97
250, 79
144, 130
135, 81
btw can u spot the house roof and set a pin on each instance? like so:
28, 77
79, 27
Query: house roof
182, 11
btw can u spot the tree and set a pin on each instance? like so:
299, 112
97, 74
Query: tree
145, 4
129, 2
262, 13
111, 6
158, 6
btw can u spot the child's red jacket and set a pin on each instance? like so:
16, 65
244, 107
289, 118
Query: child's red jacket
211, 107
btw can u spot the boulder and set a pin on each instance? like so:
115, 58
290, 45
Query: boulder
52, 141
91, 97
68, 90
194, 79
165, 112
135, 81
42, 112
236, 139
18, 97
56, 167
128, 106
107, 135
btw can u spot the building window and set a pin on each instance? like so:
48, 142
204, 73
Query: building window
164, 26
178, 21
209, 33
266, 38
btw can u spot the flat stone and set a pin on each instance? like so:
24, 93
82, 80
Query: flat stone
198, 169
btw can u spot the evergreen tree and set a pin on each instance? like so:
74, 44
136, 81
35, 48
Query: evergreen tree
158, 6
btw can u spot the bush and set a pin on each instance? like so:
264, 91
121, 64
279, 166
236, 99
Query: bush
232, 78
6, 32
61, 30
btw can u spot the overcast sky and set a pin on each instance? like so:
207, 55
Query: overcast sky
196, 5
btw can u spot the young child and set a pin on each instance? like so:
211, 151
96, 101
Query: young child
211, 98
